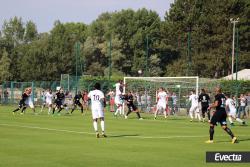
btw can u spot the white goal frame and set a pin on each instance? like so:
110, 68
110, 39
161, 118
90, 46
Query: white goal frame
160, 79
157, 79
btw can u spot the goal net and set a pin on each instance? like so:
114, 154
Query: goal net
145, 91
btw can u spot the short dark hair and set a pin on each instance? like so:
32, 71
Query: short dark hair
203, 90
97, 86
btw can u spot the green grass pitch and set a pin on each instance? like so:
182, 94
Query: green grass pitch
68, 141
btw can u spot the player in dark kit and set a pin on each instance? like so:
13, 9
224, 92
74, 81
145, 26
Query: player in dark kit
59, 101
204, 99
77, 102
220, 115
22, 103
131, 107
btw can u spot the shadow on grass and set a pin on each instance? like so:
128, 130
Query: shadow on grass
123, 135
238, 140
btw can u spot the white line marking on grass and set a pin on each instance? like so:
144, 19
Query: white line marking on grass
111, 134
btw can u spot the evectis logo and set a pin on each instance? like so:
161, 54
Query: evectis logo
228, 157
223, 157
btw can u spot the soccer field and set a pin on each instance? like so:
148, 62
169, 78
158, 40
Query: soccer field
66, 141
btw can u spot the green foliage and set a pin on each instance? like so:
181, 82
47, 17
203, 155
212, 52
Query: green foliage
4, 67
45, 56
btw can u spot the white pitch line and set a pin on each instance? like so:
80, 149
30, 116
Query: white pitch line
88, 133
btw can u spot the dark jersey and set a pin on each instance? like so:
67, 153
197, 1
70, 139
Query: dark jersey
204, 99
24, 96
60, 96
129, 99
221, 102
77, 98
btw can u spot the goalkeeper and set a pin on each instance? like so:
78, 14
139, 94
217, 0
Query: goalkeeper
129, 99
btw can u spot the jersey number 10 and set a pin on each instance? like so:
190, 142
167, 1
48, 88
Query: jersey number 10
96, 97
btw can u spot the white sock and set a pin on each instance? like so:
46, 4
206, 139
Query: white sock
230, 120
95, 126
239, 120
102, 125
165, 113
156, 113
117, 110
49, 110
120, 109
197, 115
42, 108
191, 114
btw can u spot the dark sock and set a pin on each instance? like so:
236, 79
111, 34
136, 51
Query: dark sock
203, 115
82, 110
53, 111
24, 108
211, 132
229, 132
138, 115
16, 109
129, 111
59, 110
72, 110
208, 115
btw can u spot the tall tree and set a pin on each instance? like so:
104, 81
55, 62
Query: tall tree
5, 74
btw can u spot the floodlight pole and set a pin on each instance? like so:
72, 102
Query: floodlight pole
188, 53
147, 48
110, 61
236, 66
234, 22
77, 52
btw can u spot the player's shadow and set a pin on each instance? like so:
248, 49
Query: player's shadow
238, 140
123, 135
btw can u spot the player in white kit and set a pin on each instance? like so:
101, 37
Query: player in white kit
230, 107
29, 101
97, 107
48, 99
161, 103
118, 100
194, 110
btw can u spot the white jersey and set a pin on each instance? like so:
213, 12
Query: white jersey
117, 89
48, 97
194, 100
230, 103
96, 96
29, 101
162, 98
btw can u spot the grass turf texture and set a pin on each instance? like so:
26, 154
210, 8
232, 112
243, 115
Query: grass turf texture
65, 141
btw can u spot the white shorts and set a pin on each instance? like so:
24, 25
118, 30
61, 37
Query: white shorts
97, 113
161, 106
118, 101
194, 109
232, 114
30, 104
48, 102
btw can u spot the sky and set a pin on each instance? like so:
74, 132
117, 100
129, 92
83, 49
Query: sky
44, 12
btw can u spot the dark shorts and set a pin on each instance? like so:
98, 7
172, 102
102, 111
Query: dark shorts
219, 116
22, 103
132, 107
58, 103
78, 103
204, 109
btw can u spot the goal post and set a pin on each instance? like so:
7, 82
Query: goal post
146, 88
